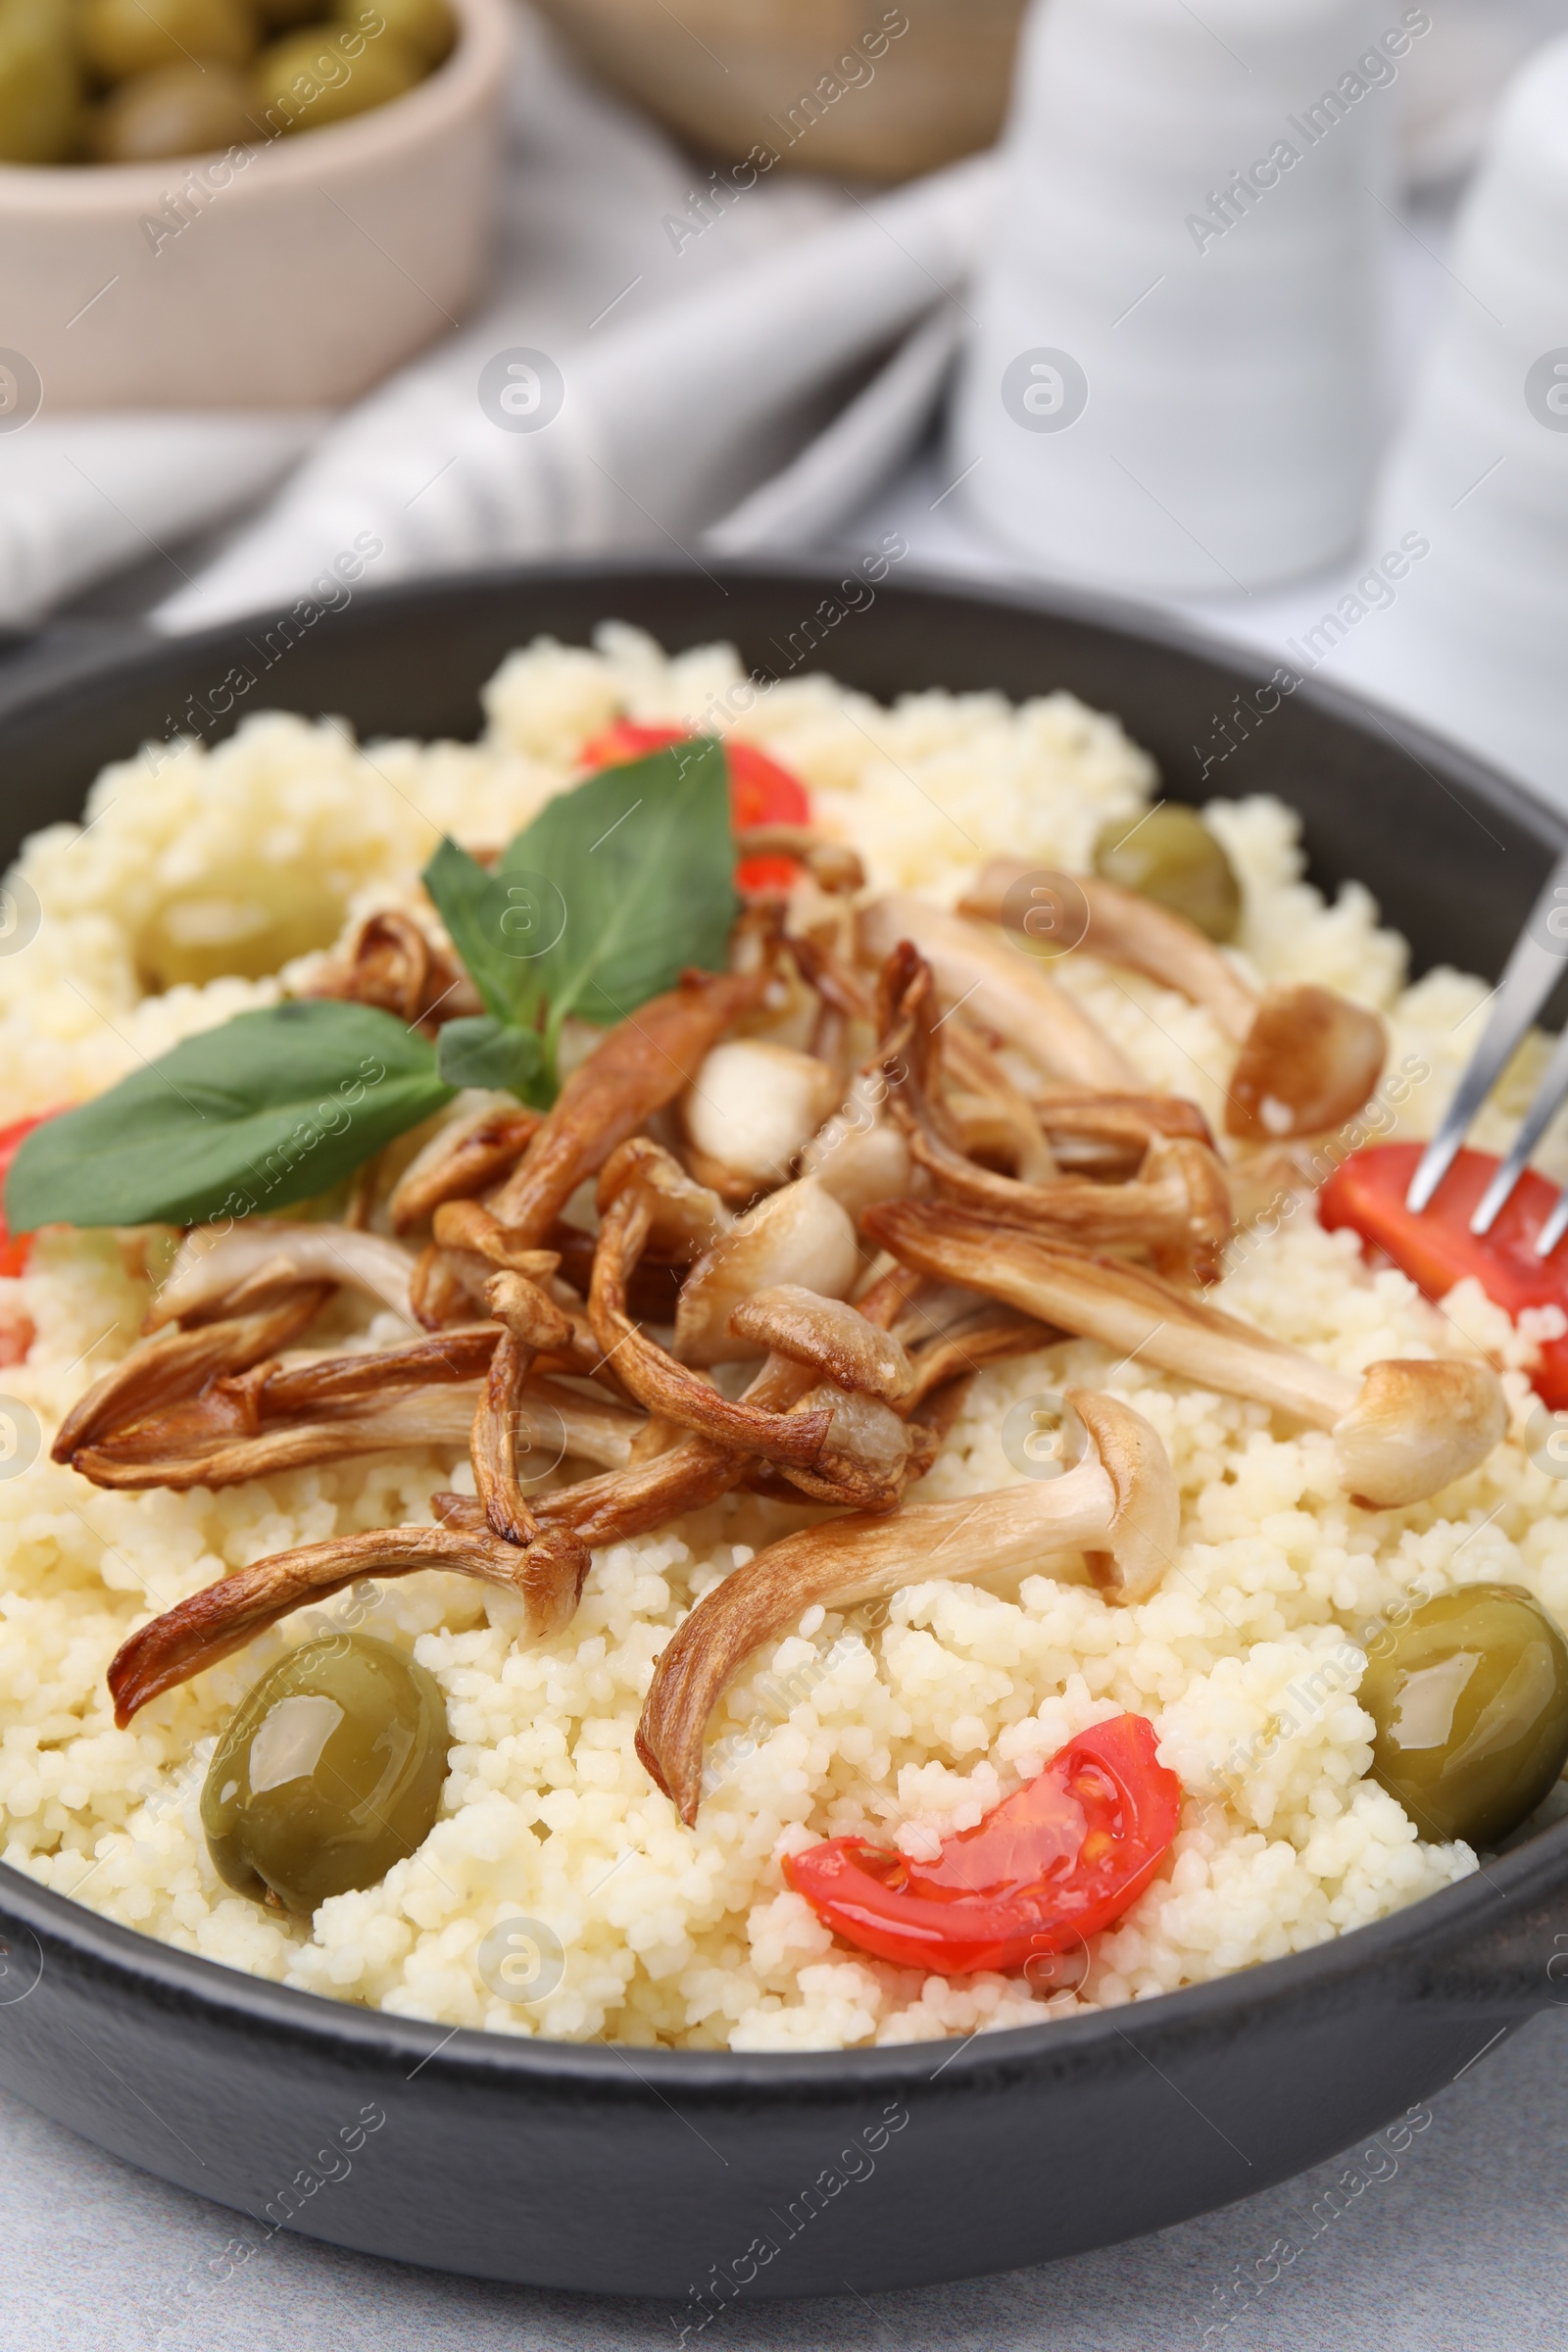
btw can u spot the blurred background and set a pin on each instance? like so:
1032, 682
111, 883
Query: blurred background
1255, 311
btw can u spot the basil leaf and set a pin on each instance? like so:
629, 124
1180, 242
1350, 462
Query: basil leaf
465, 899
487, 1052
619, 885
268, 1109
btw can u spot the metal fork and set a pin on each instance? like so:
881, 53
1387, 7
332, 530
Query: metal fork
1539, 961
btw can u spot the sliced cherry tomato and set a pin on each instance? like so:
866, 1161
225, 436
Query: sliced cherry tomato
1437, 1249
1059, 1859
761, 793
15, 1250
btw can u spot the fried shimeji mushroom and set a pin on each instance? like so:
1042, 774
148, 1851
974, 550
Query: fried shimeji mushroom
391, 962
248, 1262
799, 1234
213, 1406
832, 865
472, 1151
1308, 1058
975, 967
1117, 1508
1176, 1208
176, 1365
834, 1445
1404, 1431
748, 1113
641, 1065
860, 1156
546, 1565
548, 1575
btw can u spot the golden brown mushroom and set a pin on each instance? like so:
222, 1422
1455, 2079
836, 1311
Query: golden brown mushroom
1309, 1057
1176, 1208
1123, 1509
800, 1235
267, 1254
548, 1574
1404, 1431
470, 1151
641, 1065
976, 968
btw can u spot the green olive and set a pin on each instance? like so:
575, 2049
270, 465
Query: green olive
122, 37
426, 28
176, 110
247, 924
327, 73
330, 1772
40, 85
1471, 1704
1172, 856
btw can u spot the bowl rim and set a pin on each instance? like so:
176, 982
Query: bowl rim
465, 77
1433, 1928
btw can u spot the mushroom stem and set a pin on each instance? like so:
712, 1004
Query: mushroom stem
211, 1264
1403, 1432
668, 1388
548, 1573
1088, 1509
1107, 1299
470, 1153
832, 865
176, 1364
1127, 928
1001, 988
531, 1322
642, 1065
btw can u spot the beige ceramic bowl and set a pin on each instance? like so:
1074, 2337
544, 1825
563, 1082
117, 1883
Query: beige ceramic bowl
295, 279
733, 73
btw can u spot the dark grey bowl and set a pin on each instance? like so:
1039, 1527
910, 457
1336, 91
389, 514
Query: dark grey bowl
708, 2176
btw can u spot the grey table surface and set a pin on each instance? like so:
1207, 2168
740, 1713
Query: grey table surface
1455, 2241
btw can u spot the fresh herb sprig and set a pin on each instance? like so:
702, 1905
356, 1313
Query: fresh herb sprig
593, 909
596, 906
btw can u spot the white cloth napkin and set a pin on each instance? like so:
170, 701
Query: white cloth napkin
695, 360
667, 418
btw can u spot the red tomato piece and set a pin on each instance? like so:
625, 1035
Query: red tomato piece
15, 1250
761, 793
1437, 1249
1061, 1858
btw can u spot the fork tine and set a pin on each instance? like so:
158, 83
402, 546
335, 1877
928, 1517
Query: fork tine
1554, 1228
1538, 958
1548, 1099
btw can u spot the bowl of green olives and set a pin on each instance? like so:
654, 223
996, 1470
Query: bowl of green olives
241, 203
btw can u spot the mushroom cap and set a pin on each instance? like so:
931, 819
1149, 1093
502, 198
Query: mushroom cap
828, 1336
1310, 1061
1415, 1427
754, 1105
798, 1235
1145, 1530
683, 1217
